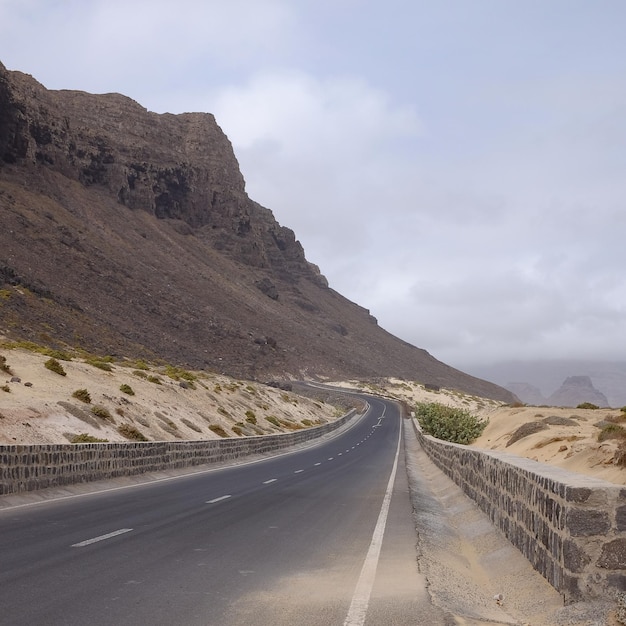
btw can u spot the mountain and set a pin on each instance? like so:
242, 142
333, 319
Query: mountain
527, 393
576, 390
126, 232
608, 377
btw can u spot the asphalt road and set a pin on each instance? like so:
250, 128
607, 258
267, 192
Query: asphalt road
319, 536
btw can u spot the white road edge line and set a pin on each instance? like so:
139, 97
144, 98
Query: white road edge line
361, 597
218, 499
87, 542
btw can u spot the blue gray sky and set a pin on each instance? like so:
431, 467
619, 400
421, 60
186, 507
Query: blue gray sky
458, 167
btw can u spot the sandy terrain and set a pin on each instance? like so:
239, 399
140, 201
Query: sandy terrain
38, 406
568, 439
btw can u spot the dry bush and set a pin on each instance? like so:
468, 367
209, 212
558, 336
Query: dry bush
218, 430
130, 432
612, 431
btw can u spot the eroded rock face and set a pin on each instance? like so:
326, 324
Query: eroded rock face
575, 390
129, 232
176, 167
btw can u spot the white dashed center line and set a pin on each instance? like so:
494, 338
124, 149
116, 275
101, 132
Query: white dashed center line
298, 471
87, 542
271, 480
218, 499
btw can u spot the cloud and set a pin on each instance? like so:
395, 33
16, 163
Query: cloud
321, 153
143, 46
505, 252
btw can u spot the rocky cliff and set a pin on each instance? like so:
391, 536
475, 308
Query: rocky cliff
126, 232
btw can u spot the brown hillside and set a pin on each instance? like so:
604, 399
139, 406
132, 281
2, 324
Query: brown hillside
126, 232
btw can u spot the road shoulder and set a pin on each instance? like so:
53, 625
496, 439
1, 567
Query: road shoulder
469, 564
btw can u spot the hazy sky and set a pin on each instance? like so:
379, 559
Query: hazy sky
456, 166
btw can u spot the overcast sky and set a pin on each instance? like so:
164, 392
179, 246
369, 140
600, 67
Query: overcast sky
458, 167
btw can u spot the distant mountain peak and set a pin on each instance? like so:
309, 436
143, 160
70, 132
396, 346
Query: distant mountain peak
527, 393
575, 390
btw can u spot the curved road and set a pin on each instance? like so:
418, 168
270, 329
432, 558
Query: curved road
319, 536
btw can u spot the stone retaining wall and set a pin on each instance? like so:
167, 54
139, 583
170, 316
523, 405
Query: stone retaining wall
32, 467
572, 528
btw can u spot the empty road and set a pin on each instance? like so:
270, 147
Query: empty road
318, 536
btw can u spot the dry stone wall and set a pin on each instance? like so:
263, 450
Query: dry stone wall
33, 467
572, 528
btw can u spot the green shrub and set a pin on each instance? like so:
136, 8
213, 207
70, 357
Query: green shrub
612, 431
130, 432
57, 354
176, 373
154, 379
587, 405
100, 363
31, 346
140, 374
54, 366
127, 389
85, 438
273, 420
623, 409
102, 413
238, 430
251, 419
448, 423
82, 395
218, 430
6, 388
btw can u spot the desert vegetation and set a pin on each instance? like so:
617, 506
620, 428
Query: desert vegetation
82, 395
449, 423
54, 366
130, 432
